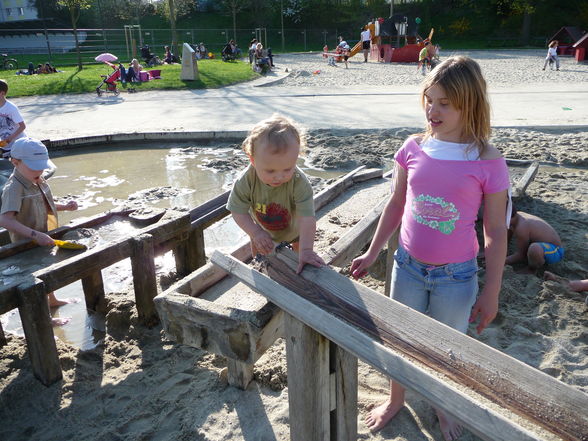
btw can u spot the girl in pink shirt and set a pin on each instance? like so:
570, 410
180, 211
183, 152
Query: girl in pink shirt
441, 179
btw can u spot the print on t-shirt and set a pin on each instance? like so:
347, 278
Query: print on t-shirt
272, 217
435, 212
7, 125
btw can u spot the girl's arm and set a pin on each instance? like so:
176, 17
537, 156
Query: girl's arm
389, 222
486, 307
306, 253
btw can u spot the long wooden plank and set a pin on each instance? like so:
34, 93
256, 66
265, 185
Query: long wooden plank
521, 186
509, 383
485, 422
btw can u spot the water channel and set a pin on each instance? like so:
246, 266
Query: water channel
154, 175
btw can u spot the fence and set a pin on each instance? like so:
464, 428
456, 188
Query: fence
58, 45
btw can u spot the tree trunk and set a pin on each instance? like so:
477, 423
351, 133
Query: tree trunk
74, 23
526, 29
235, 24
172, 22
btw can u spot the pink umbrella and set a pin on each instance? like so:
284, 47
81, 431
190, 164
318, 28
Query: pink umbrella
106, 57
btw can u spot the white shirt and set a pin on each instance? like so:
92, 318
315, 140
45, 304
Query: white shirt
552, 52
10, 118
366, 35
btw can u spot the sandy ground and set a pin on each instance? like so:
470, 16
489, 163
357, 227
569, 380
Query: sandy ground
137, 385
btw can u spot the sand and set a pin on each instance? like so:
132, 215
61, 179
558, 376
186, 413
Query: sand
137, 385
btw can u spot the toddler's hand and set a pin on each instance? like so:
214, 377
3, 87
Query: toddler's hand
308, 256
43, 239
71, 206
262, 242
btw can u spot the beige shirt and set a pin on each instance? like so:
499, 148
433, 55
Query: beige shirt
33, 204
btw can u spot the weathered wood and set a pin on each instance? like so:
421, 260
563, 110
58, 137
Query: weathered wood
190, 254
2, 337
521, 186
211, 217
325, 196
309, 394
348, 246
369, 345
36, 323
367, 174
343, 366
210, 205
144, 278
9, 297
93, 287
239, 374
510, 384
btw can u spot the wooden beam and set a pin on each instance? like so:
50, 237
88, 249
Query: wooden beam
239, 374
521, 186
2, 337
343, 366
36, 323
326, 195
189, 254
470, 409
144, 278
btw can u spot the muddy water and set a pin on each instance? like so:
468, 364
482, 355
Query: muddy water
102, 179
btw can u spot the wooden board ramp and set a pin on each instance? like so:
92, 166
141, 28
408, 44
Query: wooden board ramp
499, 398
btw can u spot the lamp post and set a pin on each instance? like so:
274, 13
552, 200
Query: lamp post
391, 8
282, 20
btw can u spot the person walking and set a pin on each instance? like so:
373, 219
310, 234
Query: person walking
366, 38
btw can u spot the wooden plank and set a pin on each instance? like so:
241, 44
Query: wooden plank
325, 196
144, 278
210, 205
482, 420
367, 174
2, 337
521, 186
307, 356
210, 218
36, 323
93, 287
239, 374
354, 240
189, 254
9, 297
509, 383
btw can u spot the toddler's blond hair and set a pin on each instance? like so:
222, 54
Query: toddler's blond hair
278, 133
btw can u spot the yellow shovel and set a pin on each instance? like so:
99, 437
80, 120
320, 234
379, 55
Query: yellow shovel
70, 245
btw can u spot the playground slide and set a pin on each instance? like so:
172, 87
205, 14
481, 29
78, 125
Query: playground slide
355, 49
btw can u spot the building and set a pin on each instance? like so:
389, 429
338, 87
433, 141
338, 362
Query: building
17, 10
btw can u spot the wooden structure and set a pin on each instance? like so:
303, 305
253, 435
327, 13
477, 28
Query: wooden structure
567, 36
580, 48
243, 335
499, 397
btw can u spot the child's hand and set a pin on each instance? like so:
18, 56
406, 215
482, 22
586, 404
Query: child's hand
360, 265
486, 308
262, 242
42, 239
71, 206
308, 256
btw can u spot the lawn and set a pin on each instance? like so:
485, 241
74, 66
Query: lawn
213, 74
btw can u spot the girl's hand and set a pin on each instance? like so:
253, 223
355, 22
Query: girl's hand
308, 256
262, 242
360, 265
486, 308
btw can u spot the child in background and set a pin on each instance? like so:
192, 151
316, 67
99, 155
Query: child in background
272, 200
552, 55
28, 210
536, 242
12, 125
441, 179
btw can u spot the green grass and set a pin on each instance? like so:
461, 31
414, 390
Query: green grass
213, 74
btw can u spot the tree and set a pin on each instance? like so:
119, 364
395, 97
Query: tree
75, 7
233, 7
172, 10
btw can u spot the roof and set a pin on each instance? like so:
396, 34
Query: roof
572, 33
582, 42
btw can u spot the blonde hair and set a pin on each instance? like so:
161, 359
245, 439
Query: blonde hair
277, 132
462, 80
553, 43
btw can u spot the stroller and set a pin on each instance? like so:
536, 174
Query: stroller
109, 81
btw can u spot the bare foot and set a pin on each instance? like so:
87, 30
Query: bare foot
60, 321
548, 275
55, 302
381, 415
450, 428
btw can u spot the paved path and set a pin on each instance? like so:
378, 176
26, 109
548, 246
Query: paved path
239, 107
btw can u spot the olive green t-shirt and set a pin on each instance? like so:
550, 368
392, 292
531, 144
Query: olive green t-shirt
33, 204
275, 209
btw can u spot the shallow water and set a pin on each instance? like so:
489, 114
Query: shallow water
102, 178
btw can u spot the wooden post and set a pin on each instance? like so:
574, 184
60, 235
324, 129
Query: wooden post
93, 287
239, 374
309, 394
343, 366
36, 322
144, 279
2, 337
190, 253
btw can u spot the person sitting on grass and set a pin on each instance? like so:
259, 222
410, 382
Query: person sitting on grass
169, 57
28, 209
536, 242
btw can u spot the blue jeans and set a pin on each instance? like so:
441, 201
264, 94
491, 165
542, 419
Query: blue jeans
445, 293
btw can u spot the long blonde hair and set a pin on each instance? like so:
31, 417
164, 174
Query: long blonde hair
462, 80
278, 133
